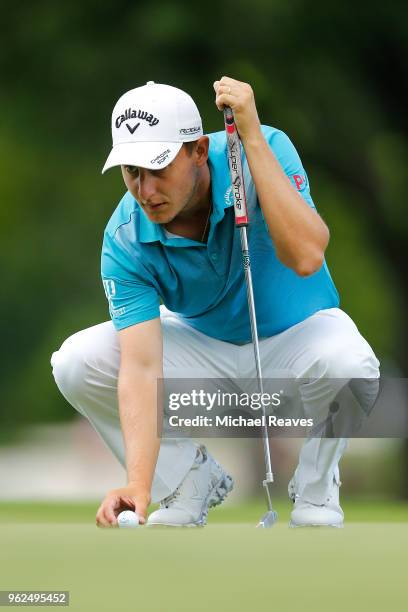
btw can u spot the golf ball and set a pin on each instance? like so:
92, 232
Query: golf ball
128, 519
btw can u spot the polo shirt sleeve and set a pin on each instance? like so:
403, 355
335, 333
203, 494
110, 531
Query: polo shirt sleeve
129, 287
289, 159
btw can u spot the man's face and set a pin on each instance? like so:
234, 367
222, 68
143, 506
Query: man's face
164, 193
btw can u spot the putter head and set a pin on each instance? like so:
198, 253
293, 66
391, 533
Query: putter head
268, 520
270, 517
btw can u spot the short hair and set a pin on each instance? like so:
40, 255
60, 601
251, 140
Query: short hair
190, 146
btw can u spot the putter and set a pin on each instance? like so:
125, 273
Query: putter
242, 222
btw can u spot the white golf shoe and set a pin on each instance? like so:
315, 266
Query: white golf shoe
206, 485
306, 514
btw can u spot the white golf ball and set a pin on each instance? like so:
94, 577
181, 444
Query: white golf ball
128, 519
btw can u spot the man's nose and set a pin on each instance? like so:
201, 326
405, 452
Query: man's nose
147, 186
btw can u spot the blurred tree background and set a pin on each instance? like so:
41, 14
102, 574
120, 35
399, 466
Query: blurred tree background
332, 75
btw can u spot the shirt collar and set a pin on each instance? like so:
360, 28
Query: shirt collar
148, 231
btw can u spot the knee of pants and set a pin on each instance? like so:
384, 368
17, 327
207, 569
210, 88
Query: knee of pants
71, 366
342, 359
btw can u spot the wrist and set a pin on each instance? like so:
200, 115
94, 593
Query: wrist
253, 138
142, 491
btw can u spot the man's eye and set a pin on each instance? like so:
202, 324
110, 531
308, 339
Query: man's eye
131, 169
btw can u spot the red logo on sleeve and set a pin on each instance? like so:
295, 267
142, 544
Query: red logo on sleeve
299, 181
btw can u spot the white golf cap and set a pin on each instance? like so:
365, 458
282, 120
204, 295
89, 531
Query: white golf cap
150, 124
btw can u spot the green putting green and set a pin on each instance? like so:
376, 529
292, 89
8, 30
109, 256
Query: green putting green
229, 565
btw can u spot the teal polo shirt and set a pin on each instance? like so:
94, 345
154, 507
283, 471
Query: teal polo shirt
204, 284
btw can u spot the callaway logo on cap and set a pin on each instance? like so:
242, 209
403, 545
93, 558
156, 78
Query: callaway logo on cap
150, 124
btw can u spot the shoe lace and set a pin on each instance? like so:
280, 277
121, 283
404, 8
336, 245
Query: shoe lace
168, 501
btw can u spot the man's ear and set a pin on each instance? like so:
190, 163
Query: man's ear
201, 151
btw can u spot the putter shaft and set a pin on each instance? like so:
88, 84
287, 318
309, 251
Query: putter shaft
255, 343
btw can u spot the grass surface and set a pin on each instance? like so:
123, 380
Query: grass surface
229, 565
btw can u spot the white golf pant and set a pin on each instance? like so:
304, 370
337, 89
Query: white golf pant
325, 346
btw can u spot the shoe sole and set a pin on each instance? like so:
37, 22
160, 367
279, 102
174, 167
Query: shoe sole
315, 525
215, 497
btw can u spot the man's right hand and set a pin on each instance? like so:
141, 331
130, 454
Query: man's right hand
117, 500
